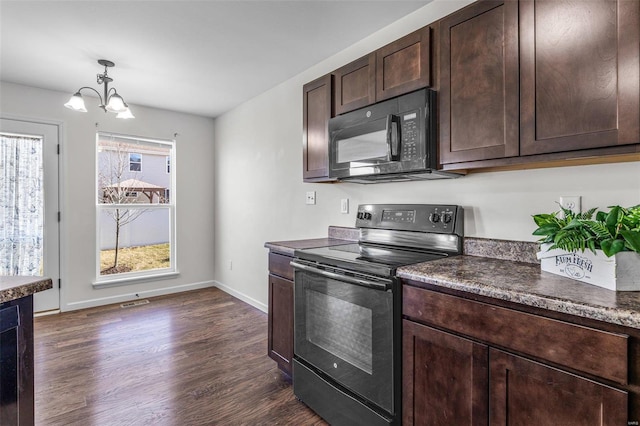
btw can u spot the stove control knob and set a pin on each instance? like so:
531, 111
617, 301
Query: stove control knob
434, 217
446, 218
367, 216
360, 215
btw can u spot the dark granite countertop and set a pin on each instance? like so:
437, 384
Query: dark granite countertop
15, 287
526, 284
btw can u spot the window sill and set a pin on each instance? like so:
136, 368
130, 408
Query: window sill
114, 282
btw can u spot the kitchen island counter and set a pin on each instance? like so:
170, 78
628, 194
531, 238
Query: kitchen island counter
526, 284
16, 287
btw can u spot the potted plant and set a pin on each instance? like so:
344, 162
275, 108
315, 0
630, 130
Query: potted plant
603, 250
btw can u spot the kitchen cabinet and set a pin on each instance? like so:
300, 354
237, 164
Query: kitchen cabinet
579, 72
478, 75
355, 84
317, 107
404, 65
16, 362
395, 69
280, 317
539, 81
454, 366
527, 392
498, 365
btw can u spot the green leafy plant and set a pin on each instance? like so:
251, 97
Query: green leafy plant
612, 232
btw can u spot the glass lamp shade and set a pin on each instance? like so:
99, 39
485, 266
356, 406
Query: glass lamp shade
116, 104
76, 103
125, 114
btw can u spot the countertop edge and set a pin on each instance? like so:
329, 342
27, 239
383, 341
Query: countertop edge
617, 316
16, 287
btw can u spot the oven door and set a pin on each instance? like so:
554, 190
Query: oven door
344, 328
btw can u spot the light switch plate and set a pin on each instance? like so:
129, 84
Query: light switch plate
344, 205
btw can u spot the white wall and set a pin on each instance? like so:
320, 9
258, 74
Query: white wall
195, 212
260, 196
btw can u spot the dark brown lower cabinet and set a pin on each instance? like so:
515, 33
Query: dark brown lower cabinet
281, 322
524, 392
16, 362
479, 362
445, 378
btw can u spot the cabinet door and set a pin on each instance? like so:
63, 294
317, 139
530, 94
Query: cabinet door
404, 65
579, 74
316, 112
524, 392
444, 378
479, 83
355, 84
16, 362
280, 328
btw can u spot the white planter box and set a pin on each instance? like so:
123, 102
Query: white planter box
620, 272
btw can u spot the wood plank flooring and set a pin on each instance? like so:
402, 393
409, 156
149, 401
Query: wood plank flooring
194, 358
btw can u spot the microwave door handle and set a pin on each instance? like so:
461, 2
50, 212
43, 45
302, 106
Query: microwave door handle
393, 137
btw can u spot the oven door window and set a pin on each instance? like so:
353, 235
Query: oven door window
346, 332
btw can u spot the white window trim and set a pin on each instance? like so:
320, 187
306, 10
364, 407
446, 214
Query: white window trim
135, 162
113, 280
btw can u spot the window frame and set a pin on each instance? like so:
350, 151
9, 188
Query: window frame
139, 163
123, 278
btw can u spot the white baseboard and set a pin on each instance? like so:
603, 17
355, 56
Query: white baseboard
136, 295
247, 299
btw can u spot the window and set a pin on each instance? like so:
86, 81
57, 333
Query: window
135, 215
135, 162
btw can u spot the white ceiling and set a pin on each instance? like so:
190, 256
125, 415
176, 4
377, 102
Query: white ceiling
200, 57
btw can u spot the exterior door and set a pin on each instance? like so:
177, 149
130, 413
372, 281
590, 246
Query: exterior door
32, 249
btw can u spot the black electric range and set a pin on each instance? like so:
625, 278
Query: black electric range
347, 312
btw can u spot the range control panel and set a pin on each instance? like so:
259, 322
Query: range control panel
436, 218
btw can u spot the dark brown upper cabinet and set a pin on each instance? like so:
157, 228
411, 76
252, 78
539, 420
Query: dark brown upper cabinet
539, 81
478, 73
316, 112
395, 69
579, 74
404, 65
355, 84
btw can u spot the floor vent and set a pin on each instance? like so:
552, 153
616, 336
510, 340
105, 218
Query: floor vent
134, 303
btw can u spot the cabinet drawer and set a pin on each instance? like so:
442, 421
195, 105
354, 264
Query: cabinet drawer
279, 264
581, 348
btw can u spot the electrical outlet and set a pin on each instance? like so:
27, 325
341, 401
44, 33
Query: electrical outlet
311, 197
571, 202
344, 205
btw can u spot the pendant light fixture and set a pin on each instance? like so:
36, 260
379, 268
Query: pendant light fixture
111, 101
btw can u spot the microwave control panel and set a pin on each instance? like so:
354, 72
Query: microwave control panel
410, 147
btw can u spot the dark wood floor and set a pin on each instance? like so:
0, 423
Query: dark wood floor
195, 358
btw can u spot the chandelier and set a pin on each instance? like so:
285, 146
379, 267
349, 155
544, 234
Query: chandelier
111, 101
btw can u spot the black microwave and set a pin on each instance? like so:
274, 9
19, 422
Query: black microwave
392, 140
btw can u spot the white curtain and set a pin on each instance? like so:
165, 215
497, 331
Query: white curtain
21, 205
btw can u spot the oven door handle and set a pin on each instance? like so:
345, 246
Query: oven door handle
383, 286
